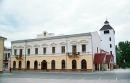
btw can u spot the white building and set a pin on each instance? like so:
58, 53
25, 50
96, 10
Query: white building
50, 52
107, 34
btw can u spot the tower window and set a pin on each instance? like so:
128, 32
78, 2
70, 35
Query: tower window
110, 45
97, 49
109, 38
111, 52
106, 32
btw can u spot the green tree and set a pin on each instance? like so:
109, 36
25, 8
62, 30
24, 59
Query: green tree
123, 54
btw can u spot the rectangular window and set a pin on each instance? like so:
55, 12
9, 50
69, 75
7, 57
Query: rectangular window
36, 50
28, 51
110, 45
74, 49
15, 51
21, 52
53, 49
106, 32
62, 49
109, 38
83, 48
44, 50
8, 55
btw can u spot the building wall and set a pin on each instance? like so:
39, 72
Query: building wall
96, 42
57, 59
106, 42
6, 58
57, 43
58, 56
1, 53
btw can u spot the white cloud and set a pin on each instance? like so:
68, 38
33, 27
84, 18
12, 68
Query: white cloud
23, 19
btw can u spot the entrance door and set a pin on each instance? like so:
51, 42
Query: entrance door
74, 64
53, 64
43, 65
14, 64
28, 64
35, 65
83, 64
63, 64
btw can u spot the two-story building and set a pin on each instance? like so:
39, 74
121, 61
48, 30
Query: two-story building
50, 52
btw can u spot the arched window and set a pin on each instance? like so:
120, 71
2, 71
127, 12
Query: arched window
28, 64
44, 64
53, 64
35, 65
20, 64
83, 64
63, 64
74, 64
14, 64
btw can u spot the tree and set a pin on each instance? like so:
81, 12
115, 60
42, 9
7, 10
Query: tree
123, 54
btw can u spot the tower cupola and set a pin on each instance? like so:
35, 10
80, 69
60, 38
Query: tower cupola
106, 23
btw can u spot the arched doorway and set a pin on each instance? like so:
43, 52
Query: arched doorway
28, 64
44, 65
14, 65
53, 64
74, 64
35, 65
83, 64
63, 64
20, 64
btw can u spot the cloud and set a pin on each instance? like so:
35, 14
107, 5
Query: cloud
23, 19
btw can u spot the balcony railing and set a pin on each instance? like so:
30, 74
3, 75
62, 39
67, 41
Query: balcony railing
19, 57
73, 54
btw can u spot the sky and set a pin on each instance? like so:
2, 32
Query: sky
24, 19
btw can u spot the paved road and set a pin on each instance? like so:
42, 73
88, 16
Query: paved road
116, 76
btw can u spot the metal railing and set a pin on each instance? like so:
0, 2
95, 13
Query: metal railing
73, 54
19, 57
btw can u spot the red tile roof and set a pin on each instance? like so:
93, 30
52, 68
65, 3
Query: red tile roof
99, 58
109, 58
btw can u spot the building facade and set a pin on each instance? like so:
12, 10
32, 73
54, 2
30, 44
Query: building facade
107, 35
49, 52
6, 58
1, 52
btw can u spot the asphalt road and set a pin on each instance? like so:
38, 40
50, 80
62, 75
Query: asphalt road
115, 76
